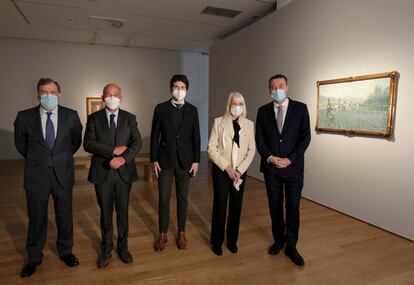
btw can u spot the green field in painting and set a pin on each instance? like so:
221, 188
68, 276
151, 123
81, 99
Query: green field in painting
362, 119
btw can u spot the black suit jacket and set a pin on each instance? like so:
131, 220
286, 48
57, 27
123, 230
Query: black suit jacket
167, 145
39, 158
97, 141
291, 143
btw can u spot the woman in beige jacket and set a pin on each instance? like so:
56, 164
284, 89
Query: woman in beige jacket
231, 148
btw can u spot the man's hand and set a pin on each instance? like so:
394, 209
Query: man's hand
120, 150
284, 162
117, 162
157, 168
275, 160
280, 162
193, 169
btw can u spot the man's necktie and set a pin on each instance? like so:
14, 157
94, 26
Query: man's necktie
50, 131
279, 118
112, 129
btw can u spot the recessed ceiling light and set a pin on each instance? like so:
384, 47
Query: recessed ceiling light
216, 11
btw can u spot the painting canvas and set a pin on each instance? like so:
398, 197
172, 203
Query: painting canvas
357, 105
94, 104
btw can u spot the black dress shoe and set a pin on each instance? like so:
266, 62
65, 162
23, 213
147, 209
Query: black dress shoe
103, 260
217, 250
29, 268
125, 256
232, 247
275, 248
294, 255
70, 260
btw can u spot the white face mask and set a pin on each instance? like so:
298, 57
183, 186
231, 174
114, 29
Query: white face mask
179, 95
112, 102
236, 110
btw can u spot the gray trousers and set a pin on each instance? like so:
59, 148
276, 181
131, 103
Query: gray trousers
182, 180
113, 191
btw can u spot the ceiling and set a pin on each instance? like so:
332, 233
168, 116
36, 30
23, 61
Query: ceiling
161, 24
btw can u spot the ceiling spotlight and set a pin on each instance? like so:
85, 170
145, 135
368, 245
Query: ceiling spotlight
106, 22
130, 41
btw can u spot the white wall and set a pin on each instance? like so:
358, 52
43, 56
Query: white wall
368, 178
83, 70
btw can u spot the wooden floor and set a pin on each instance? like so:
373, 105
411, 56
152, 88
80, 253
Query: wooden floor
337, 249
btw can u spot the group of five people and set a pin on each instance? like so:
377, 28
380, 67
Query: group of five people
48, 135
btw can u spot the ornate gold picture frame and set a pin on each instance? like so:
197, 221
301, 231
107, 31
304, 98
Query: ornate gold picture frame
362, 105
94, 104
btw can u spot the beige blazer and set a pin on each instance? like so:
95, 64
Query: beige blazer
220, 143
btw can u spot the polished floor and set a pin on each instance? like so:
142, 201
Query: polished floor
337, 249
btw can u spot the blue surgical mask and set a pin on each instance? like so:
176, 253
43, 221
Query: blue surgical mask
279, 95
49, 101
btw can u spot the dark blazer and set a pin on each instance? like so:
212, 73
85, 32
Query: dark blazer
97, 141
167, 144
39, 158
291, 143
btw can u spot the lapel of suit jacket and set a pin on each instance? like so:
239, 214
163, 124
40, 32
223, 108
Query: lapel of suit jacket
186, 116
120, 123
167, 110
289, 115
103, 122
271, 116
38, 127
62, 121
228, 125
226, 130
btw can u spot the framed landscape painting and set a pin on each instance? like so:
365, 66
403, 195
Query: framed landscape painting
362, 105
94, 104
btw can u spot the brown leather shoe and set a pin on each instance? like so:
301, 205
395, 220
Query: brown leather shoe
103, 260
160, 243
181, 240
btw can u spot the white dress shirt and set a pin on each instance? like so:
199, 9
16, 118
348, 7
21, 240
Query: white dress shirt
176, 103
284, 106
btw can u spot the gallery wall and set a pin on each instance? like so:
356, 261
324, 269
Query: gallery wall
83, 70
371, 179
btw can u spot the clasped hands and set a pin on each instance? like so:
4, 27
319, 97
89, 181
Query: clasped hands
233, 173
118, 161
280, 162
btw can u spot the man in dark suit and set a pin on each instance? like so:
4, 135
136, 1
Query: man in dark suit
47, 136
282, 137
175, 153
113, 138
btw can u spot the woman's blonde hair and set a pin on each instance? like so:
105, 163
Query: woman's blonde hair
238, 96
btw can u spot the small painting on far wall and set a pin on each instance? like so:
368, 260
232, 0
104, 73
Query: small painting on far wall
94, 104
362, 105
